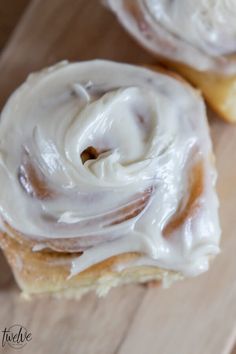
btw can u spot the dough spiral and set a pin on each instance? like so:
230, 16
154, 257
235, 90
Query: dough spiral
105, 158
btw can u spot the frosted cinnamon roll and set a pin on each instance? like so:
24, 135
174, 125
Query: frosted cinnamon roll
197, 38
107, 178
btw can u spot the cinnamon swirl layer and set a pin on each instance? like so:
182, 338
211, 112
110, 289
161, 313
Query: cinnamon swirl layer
102, 159
199, 33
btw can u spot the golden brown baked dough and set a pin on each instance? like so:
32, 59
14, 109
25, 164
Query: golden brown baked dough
219, 90
47, 272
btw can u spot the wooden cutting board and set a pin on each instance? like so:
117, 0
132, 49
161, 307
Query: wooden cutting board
197, 316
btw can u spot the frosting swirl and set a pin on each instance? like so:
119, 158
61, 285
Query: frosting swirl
106, 158
200, 33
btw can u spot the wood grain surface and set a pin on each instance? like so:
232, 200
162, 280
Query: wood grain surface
10, 11
197, 316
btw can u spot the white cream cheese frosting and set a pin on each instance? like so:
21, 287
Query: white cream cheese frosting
200, 33
138, 194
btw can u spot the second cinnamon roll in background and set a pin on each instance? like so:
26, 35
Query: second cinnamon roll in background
196, 38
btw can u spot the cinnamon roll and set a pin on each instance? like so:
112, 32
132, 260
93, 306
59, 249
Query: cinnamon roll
107, 177
197, 38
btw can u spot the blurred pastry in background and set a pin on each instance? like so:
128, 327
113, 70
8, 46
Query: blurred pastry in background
197, 38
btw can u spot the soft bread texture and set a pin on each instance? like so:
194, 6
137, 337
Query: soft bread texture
219, 90
48, 272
